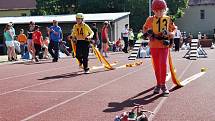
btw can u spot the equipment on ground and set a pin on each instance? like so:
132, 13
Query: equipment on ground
134, 53
137, 113
195, 51
140, 50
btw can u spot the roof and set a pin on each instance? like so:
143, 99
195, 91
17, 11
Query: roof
201, 2
99, 17
17, 4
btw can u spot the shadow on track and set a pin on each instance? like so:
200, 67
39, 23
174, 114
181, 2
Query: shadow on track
175, 88
118, 106
70, 75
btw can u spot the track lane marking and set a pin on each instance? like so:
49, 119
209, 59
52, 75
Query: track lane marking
194, 77
37, 91
78, 96
17, 76
158, 107
34, 85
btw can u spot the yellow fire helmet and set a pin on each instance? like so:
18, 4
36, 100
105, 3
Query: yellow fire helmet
80, 15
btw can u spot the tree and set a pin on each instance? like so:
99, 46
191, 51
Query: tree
138, 8
177, 7
51, 7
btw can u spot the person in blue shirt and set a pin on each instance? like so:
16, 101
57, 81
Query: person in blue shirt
55, 34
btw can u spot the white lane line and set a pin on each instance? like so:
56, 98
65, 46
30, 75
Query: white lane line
31, 73
34, 85
36, 91
78, 96
194, 77
100, 67
158, 107
123, 66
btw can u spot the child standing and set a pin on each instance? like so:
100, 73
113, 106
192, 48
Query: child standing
23, 42
159, 47
45, 47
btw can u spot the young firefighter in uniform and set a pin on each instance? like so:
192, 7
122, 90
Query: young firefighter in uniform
81, 33
160, 24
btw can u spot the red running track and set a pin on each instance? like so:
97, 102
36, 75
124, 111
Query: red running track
61, 92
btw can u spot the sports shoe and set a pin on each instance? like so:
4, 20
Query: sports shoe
36, 59
165, 90
87, 71
157, 89
54, 60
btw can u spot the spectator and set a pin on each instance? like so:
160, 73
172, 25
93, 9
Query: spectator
95, 38
177, 38
8, 34
204, 36
140, 35
29, 35
105, 38
17, 46
119, 45
125, 34
45, 47
131, 39
22, 39
12, 29
55, 33
214, 38
199, 35
184, 37
37, 41
14, 38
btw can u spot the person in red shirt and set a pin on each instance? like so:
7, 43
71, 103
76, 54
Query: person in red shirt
37, 42
160, 25
119, 45
105, 38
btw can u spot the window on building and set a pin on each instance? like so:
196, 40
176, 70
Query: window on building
23, 14
202, 14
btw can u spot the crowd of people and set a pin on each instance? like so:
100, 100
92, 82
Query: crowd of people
33, 46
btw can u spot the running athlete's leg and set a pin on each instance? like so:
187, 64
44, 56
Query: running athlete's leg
56, 50
79, 54
85, 55
50, 48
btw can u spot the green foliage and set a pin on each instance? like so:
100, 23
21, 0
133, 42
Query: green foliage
177, 7
51, 7
138, 8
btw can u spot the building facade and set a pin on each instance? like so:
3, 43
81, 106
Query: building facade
198, 17
16, 8
117, 22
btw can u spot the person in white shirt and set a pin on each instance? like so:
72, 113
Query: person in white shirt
131, 39
125, 34
177, 38
199, 36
